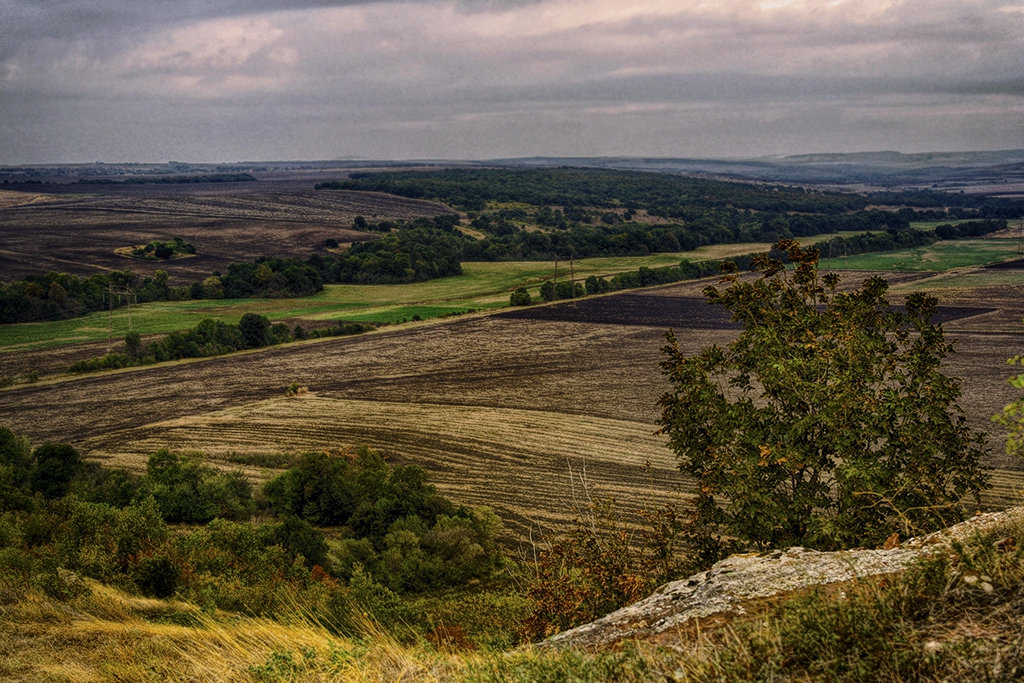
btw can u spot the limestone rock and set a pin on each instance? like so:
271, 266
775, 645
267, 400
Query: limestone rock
739, 579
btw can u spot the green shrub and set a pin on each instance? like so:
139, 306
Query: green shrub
186, 489
828, 422
520, 297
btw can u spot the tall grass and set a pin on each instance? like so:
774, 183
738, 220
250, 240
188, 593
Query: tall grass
958, 617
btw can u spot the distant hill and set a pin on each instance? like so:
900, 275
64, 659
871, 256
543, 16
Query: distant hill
883, 169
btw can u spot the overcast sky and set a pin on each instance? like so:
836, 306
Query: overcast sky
233, 80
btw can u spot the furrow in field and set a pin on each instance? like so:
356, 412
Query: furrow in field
517, 461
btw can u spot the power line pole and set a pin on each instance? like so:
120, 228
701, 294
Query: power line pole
128, 295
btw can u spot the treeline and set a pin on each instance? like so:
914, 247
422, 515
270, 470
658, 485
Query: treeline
63, 520
173, 179
874, 242
473, 189
667, 195
57, 296
551, 290
265, 278
969, 229
420, 250
686, 270
960, 205
209, 338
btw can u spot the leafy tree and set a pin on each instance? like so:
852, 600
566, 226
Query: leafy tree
520, 297
1012, 416
255, 330
299, 537
55, 466
186, 489
828, 423
133, 345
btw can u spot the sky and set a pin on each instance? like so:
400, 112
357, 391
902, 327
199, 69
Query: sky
242, 80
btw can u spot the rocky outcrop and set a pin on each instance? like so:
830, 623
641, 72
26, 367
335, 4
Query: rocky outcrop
741, 580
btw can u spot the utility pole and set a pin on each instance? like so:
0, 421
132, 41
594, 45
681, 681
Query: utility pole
128, 295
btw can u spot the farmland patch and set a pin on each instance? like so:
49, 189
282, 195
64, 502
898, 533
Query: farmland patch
668, 311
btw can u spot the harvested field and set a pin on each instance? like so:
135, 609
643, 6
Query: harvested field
229, 223
496, 407
516, 461
1016, 264
669, 311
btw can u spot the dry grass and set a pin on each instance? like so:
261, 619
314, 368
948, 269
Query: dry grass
958, 619
9, 199
110, 636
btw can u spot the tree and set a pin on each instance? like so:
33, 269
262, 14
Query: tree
1012, 416
828, 422
256, 330
55, 466
520, 297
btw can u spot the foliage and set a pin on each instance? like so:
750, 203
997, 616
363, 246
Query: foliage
520, 297
56, 296
397, 528
969, 229
603, 563
269, 278
421, 250
164, 250
186, 489
209, 338
54, 466
828, 423
1012, 416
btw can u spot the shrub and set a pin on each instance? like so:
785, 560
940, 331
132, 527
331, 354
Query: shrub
520, 297
828, 422
186, 489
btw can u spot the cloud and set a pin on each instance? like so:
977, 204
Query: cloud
485, 75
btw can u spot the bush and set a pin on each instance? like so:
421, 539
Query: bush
54, 468
828, 422
1012, 416
186, 489
520, 297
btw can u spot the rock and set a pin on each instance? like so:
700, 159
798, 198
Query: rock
739, 579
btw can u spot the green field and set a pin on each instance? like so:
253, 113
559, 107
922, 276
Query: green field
937, 257
481, 286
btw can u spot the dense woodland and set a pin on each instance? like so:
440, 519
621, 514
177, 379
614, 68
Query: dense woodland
419, 250
666, 195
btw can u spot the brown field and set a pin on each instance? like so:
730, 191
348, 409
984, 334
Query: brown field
227, 223
498, 408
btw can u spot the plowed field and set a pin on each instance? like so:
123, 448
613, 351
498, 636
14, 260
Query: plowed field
228, 223
498, 408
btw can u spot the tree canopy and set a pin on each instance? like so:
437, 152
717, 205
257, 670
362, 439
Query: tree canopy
828, 422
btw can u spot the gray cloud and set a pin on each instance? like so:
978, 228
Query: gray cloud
244, 79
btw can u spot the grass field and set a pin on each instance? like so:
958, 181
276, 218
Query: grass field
937, 257
481, 286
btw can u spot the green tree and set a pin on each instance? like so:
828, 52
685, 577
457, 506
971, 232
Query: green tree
255, 330
1012, 416
828, 422
56, 464
520, 297
133, 345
